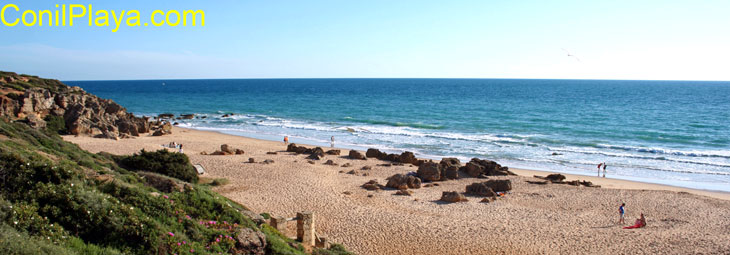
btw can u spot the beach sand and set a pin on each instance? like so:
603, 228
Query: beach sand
533, 219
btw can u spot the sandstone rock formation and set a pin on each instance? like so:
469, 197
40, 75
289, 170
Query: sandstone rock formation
401, 181
452, 197
32, 99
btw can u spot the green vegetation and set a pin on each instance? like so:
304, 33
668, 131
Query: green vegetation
56, 198
172, 164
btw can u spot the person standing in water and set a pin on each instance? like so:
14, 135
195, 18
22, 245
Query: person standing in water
599, 169
332, 143
604, 169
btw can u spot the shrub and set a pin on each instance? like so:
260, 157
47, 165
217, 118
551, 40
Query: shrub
176, 165
55, 124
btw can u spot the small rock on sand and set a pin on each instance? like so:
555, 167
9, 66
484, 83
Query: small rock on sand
404, 192
452, 197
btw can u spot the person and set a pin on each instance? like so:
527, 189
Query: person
604, 169
599, 169
181, 150
639, 223
286, 140
621, 213
332, 144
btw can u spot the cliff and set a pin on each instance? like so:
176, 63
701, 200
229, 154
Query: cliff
34, 100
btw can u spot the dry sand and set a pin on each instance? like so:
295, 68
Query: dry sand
533, 219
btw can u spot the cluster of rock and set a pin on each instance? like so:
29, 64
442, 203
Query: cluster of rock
316, 153
449, 169
225, 150
160, 128
405, 157
402, 181
83, 113
560, 179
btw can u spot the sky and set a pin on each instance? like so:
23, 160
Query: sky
635, 40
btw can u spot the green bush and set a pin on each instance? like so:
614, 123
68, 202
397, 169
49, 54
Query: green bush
55, 124
176, 165
334, 249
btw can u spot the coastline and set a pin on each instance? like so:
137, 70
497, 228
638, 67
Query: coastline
604, 182
532, 219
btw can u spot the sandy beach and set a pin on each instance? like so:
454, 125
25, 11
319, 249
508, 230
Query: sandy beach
533, 219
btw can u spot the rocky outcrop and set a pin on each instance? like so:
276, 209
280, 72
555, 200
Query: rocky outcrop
372, 185
401, 181
250, 241
405, 157
83, 113
480, 189
429, 171
477, 167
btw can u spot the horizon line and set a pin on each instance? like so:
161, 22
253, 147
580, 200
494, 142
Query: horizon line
385, 78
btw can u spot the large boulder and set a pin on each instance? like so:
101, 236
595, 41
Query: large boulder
249, 241
451, 173
452, 197
555, 177
408, 158
401, 181
356, 155
480, 189
429, 171
375, 153
477, 167
447, 162
472, 169
499, 185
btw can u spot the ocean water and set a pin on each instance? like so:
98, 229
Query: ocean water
667, 132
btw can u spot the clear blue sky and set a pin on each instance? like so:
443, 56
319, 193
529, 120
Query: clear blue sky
685, 40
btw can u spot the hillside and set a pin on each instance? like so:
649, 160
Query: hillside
56, 198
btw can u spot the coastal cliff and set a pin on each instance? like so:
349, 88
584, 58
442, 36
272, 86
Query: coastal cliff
36, 101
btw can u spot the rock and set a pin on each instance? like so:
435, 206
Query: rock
268, 161
255, 217
333, 152
166, 116
486, 200
451, 173
314, 157
404, 192
330, 162
251, 160
352, 172
374, 153
408, 158
556, 154
428, 185
386, 165
187, 116
271, 153
537, 182
158, 132
161, 182
296, 149
436, 184
227, 149
249, 241
429, 171
588, 184
347, 193
310, 162
480, 189
317, 151
356, 155
203, 153
176, 123
239, 152
347, 164
370, 195
499, 185
452, 197
472, 169
365, 174
573, 183
555, 177
366, 168
219, 153
35, 121
372, 185
401, 181
448, 162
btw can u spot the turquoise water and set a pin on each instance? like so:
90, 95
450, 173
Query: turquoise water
669, 132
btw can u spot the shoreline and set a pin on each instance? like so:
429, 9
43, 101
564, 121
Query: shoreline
611, 183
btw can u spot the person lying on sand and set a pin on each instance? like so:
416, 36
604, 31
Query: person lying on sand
640, 223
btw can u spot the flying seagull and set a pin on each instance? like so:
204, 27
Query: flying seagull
570, 55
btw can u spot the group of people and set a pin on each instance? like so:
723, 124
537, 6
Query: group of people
604, 169
332, 141
175, 145
639, 223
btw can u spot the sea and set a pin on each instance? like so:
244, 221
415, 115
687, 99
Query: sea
666, 132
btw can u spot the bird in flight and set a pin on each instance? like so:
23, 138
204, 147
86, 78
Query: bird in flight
570, 55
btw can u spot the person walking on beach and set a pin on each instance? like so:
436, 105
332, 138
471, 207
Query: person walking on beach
181, 150
332, 144
604, 169
621, 213
599, 169
286, 140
